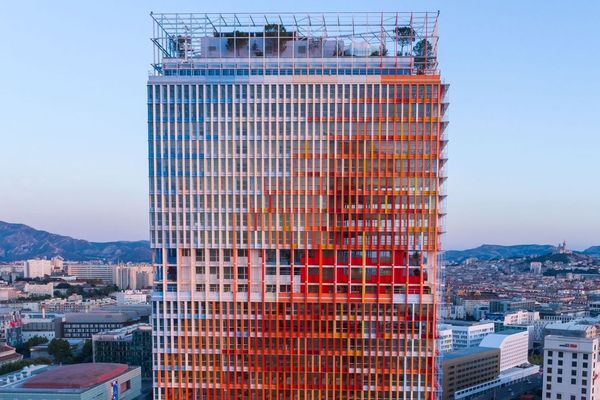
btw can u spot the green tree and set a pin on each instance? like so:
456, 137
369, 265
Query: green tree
37, 340
423, 48
405, 35
60, 349
237, 40
86, 353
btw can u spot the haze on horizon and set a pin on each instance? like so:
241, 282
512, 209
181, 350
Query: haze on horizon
523, 131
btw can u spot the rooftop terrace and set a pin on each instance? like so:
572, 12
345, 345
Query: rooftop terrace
390, 38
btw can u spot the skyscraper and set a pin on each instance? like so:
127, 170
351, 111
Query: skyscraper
296, 180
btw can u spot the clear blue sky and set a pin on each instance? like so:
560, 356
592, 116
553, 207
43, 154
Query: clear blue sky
525, 99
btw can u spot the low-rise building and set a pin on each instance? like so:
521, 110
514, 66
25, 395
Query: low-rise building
39, 324
468, 367
101, 272
504, 306
513, 345
11, 326
8, 293
445, 341
84, 325
129, 345
8, 355
72, 382
74, 303
132, 297
468, 333
39, 289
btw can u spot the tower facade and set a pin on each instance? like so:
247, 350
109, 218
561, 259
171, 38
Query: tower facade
296, 181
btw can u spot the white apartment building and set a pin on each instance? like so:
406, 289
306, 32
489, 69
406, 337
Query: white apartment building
469, 334
132, 297
37, 268
135, 277
521, 317
513, 345
445, 342
103, 272
571, 368
8, 293
39, 289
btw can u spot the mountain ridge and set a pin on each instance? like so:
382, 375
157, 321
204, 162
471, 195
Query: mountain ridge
494, 251
22, 242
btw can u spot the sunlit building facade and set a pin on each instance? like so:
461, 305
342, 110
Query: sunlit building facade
296, 187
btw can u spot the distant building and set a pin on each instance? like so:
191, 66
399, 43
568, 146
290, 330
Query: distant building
37, 268
587, 328
571, 369
594, 307
101, 272
33, 289
132, 297
445, 341
72, 382
39, 324
535, 267
129, 345
468, 367
521, 317
469, 334
8, 355
10, 327
74, 303
503, 306
135, 277
9, 293
480, 312
471, 304
513, 346
562, 249
84, 325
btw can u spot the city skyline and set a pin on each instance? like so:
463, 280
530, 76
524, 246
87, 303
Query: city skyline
524, 181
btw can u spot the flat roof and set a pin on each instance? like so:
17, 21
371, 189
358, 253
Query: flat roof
467, 352
94, 316
75, 376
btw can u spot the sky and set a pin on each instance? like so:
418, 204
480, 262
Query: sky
524, 135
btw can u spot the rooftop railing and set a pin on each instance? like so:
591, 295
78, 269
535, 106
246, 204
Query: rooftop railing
294, 37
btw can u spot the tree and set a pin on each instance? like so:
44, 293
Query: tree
86, 353
423, 52
37, 340
60, 349
423, 48
405, 35
237, 40
278, 35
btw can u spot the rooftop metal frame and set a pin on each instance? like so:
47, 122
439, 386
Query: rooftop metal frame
386, 35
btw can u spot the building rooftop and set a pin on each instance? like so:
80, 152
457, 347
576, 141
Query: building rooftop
498, 338
195, 37
458, 322
467, 352
76, 376
99, 317
121, 333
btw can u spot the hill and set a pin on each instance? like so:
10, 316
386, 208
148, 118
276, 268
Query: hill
493, 251
22, 242
592, 251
